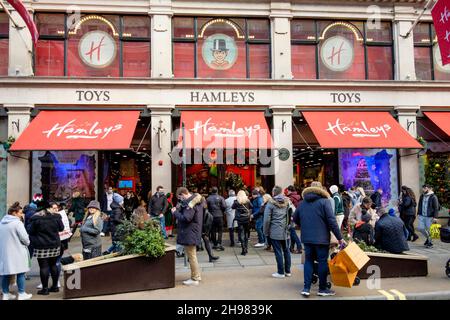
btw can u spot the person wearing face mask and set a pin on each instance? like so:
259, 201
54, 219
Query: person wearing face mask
189, 214
157, 207
106, 208
428, 211
13, 252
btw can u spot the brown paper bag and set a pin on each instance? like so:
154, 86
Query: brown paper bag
340, 276
352, 257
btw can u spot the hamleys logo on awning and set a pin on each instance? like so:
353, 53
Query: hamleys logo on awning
86, 130
358, 129
220, 130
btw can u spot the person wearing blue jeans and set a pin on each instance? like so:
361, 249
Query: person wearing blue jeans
162, 222
316, 219
317, 253
20, 284
295, 240
258, 216
281, 249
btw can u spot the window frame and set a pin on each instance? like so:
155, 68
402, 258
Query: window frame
121, 39
248, 42
430, 46
365, 44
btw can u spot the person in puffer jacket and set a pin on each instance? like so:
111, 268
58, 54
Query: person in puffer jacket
276, 227
364, 230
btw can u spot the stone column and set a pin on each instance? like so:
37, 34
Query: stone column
404, 47
281, 40
161, 35
282, 138
409, 160
20, 48
18, 179
161, 131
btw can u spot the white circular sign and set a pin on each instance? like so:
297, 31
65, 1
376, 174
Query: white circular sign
438, 60
337, 53
97, 49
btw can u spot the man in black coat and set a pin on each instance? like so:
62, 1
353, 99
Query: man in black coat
390, 234
189, 215
376, 198
217, 207
158, 206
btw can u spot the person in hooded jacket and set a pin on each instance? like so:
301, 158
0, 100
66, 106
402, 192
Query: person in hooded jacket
316, 219
276, 226
295, 199
14, 258
115, 219
243, 208
189, 215
364, 230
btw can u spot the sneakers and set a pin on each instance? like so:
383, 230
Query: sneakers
25, 296
305, 292
40, 285
288, 275
277, 275
102, 234
326, 293
259, 245
8, 296
191, 282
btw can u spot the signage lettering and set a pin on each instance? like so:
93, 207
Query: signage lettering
346, 97
83, 131
216, 130
222, 96
93, 95
358, 129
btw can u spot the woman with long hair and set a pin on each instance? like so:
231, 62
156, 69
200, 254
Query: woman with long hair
407, 208
90, 231
243, 209
14, 256
140, 217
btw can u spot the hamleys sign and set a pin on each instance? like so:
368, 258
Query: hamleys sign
79, 130
97, 49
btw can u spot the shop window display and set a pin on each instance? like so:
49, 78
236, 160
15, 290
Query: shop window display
221, 48
370, 169
96, 46
4, 44
428, 61
341, 50
58, 174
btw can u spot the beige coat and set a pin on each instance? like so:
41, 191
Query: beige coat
355, 215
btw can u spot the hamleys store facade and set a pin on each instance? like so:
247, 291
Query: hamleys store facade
282, 92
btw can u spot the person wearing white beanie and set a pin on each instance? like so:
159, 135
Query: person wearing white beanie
338, 205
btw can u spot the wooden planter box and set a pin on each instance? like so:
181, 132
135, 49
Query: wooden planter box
119, 274
396, 265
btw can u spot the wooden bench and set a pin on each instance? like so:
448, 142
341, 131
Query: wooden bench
113, 274
395, 265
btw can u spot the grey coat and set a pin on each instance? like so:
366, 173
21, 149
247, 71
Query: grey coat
14, 257
90, 233
276, 218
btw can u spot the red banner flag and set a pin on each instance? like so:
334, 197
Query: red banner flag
441, 19
23, 12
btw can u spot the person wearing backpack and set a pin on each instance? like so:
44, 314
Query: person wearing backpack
276, 226
206, 229
338, 205
243, 207
428, 212
217, 207
407, 208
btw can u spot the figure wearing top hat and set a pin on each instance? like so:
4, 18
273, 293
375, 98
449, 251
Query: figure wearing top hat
220, 53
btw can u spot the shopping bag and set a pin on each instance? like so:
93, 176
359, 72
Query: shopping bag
340, 276
352, 257
435, 231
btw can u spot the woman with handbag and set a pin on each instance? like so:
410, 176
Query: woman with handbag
243, 207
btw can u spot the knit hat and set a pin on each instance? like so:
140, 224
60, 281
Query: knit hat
94, 204
334, 189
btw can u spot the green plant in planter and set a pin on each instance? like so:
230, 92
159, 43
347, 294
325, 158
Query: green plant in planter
148, 241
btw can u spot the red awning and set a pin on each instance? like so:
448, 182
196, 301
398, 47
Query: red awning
225, 130
79, 130
359, 130
441, 119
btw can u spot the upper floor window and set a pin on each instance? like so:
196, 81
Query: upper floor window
4, 47
427, 55
323, 49
95, 46
221, 48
